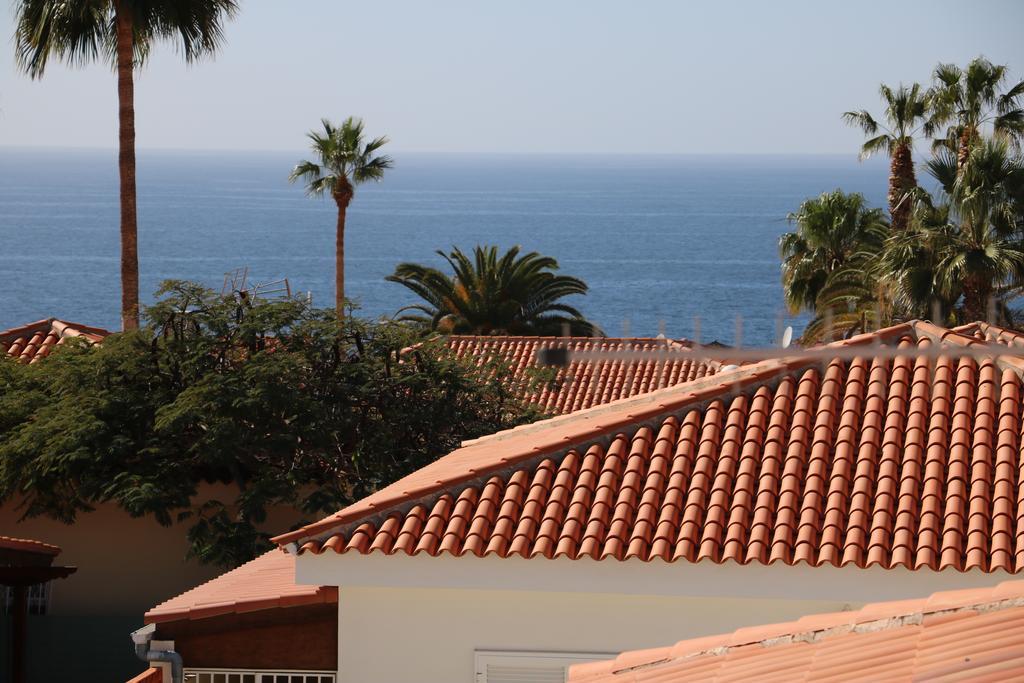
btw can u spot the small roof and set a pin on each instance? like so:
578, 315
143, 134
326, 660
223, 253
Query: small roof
867, 461
28, 546
34, 341
591, 381
955, 635
264, 583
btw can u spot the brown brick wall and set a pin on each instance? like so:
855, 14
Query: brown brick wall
282, 638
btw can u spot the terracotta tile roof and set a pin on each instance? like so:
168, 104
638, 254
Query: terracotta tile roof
586, 383
32, 342
913, 462
29, 546
958, 635
264, 583
992, 333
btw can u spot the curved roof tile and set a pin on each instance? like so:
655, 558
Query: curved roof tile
34, 341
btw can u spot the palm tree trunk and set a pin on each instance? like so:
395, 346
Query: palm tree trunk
126, 166
342, 198
901, 181
976, 295
963, 152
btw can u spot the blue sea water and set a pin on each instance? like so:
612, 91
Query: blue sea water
661, 240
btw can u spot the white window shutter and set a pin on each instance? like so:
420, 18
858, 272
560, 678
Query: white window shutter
493, 666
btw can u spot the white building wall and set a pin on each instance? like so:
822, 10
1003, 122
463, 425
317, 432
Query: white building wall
421, 618
416, 635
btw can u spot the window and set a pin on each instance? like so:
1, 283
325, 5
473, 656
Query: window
529, 667
256, 676
38, 599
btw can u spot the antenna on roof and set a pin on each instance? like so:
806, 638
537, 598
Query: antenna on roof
787, 337
236, 283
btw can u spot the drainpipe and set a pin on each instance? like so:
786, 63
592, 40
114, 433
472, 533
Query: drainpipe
142, 637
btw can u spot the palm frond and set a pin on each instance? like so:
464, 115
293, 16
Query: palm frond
490, 293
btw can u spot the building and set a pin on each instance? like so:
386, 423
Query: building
26, 573
246, 619
807, 484
974, 634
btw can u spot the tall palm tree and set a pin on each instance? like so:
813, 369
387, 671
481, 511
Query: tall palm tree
831, 229
967, 246
966, 100
122, 32
344, 160
487, 294
906, 111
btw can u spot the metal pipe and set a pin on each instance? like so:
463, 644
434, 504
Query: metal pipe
141, 639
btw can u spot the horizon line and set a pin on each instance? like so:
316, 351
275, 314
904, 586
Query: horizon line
213, 150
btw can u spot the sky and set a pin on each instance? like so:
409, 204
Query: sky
530, 76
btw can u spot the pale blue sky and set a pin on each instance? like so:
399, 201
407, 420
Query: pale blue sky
525, 76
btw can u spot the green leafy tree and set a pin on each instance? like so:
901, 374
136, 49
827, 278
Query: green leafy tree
121, 32
344, 160
518, 294
969, 99
291, 406
966, 248
830, 230
906, 111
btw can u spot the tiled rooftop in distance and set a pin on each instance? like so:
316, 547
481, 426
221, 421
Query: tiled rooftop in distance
28, 546
32, 342
586, 383
913, 462
264, 583
958, 635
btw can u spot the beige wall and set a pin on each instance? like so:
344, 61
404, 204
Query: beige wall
419, 635
420, 618
125, 565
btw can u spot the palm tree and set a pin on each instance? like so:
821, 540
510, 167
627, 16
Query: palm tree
852, 300
906, 109
344, 160
514, 294
968, 99
968, 246
831, 229
123, 32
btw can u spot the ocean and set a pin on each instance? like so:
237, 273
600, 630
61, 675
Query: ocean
668, 244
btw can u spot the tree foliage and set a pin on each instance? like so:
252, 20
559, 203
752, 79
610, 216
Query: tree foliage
954, 254
830, 230
80, 33
514, 293
344, 159
968, 239
289, 405
967, 100
906, 116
